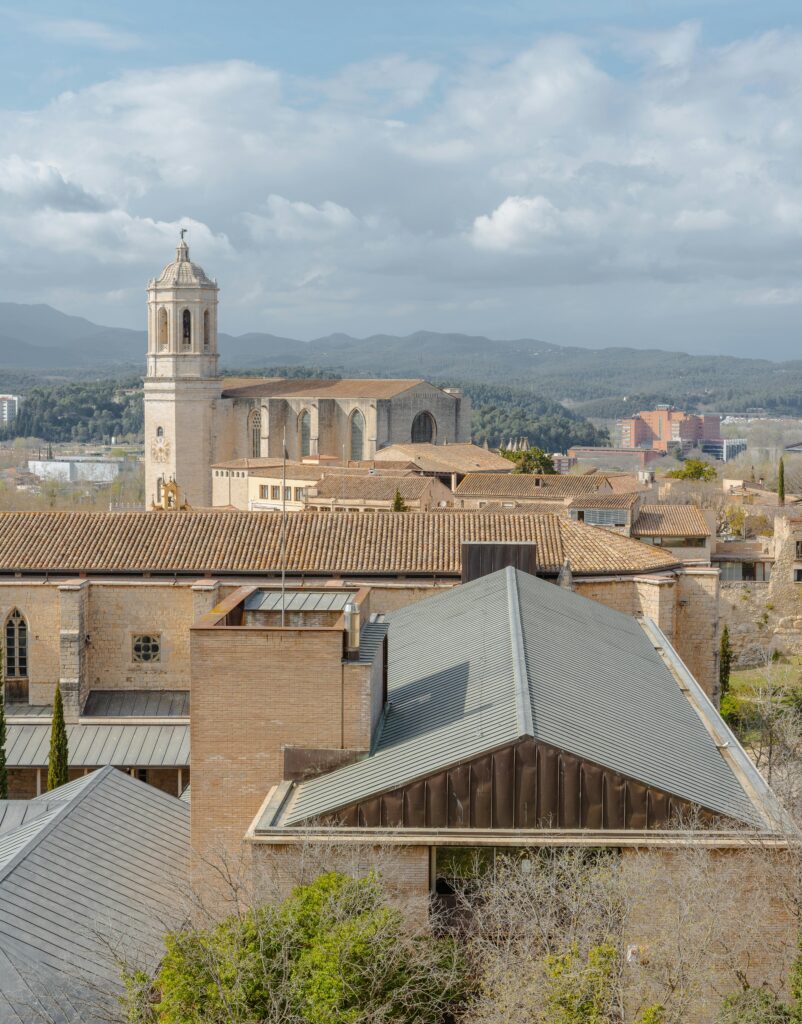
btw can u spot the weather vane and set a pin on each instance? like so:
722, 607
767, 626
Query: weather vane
183, 232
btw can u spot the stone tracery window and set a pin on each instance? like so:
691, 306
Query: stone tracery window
423, 428
186, 330
146, 647
305, 431
357, 436
254, 434
16, 659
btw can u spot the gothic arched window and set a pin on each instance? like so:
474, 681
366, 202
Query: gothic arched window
163, 330
16, 660
186, 330
254, 434
423, 428
305, 431
207, 335
357, 436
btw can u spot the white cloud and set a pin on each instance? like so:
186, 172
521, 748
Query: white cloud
80, 32
504, 196
289, 221
520, 223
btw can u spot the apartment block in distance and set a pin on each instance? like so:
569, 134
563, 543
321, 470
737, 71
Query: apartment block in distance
665, 427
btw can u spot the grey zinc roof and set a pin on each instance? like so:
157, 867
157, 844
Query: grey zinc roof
102, 864
510, 655
296, 601
137, 704
91, 746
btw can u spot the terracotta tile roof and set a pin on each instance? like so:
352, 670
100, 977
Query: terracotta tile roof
530, 508
299, 387
344, 543
374, 488
446, 458
604, 500
528, 485
670, 521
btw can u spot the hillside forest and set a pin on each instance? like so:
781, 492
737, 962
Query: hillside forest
96, 411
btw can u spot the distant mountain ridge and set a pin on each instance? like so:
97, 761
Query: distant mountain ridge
602, 382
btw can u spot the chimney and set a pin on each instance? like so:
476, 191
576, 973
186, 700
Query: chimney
351, 615
480, 558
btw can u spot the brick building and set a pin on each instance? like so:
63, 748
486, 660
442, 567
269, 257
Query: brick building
103, 603
666, 427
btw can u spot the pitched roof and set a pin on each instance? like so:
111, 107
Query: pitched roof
93, 745
137, 704
528, 485
510, 655
670, 521
102, 862
373, 488
446, 458
302, 388
604, 500
232, 543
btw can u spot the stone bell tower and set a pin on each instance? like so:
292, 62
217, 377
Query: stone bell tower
182, 386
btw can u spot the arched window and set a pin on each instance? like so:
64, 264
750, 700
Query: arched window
357, 436
163, 330
254, 434
186, 330
207, 334
16, 661
159, 431
305, 431
423, 428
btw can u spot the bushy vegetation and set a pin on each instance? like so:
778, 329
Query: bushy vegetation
531, 460
334, 951
95, 411
501, 413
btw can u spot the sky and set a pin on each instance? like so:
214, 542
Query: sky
589, 172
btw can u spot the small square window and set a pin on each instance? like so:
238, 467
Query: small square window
147, 647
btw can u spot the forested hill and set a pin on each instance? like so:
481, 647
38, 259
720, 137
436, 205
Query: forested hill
595, 382
99, 410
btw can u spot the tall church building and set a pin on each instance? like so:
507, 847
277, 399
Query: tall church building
195, 418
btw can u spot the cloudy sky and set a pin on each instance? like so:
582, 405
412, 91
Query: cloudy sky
601, 173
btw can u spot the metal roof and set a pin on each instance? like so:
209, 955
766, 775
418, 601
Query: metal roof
297, 601
510, 655
104, 861
137, 704
91, 746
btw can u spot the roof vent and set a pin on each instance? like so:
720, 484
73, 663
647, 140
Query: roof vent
480, 558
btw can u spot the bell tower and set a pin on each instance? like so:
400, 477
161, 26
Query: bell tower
182, 386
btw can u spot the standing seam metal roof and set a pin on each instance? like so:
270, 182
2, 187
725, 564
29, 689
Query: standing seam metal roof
510, 655
92, 746
105, 858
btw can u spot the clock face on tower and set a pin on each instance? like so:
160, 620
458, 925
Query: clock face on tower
160, 450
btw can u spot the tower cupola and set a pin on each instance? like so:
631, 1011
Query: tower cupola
182, 320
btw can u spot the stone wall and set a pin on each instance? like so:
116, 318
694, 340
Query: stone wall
751, 618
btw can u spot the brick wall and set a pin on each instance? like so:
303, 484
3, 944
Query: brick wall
255, 691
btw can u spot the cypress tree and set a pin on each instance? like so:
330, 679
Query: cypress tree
57, 771
398, 502
3, 767
781, 483
724, 663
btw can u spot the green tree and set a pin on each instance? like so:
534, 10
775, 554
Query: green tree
584, 991
694, 469
334, 952
57, 770
755, 1006
781, 483
532, 460
399, 504
724, 663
